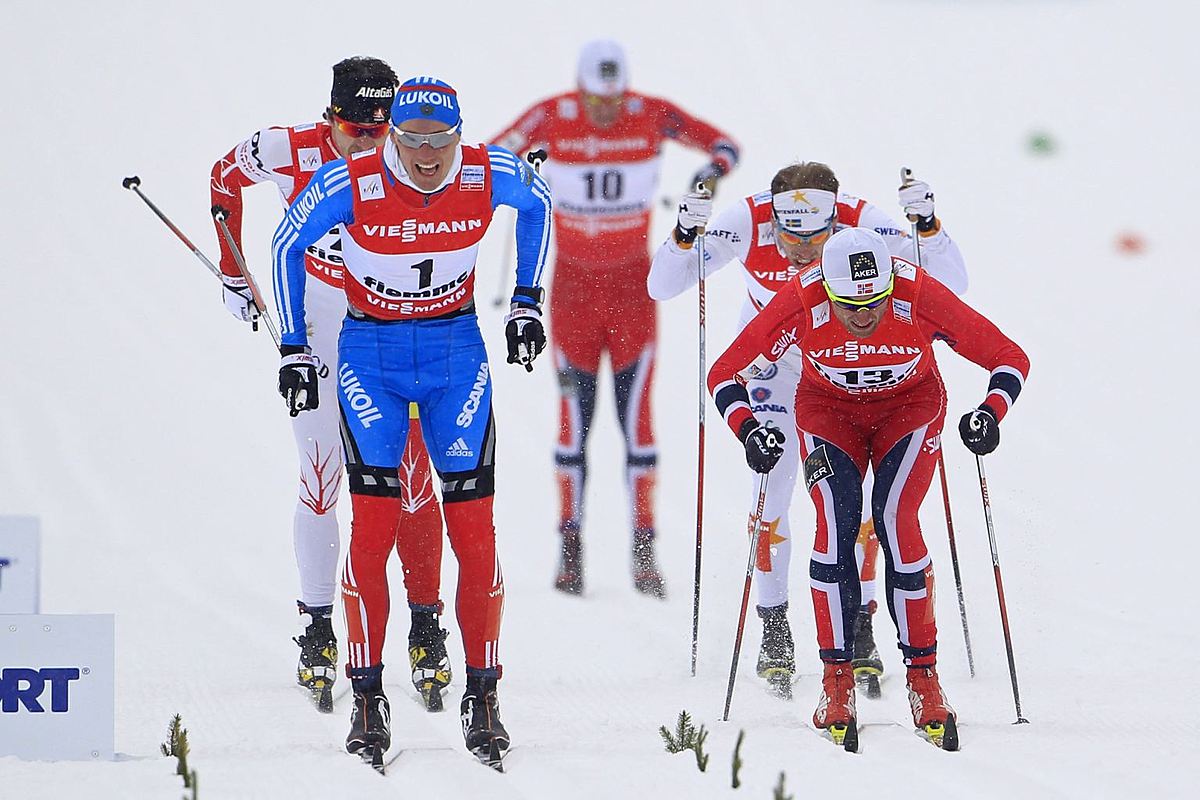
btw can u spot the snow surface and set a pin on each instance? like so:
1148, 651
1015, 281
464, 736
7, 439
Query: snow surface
142, 424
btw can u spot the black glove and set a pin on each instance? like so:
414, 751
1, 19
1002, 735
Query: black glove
980, 430
764, 445
524, 332
298, 371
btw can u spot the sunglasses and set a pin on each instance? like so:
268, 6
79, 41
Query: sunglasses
356, 131
435, 140
793, 238
846, 304
594, 100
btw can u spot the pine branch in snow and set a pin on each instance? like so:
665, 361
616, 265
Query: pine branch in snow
686, 737
779, 790
737, 759
177, 747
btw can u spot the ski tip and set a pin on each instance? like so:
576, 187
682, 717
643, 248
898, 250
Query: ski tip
942, 735
325, 701
869, 683
844, 735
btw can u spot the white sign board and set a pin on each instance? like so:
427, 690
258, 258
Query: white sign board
57, 686
19, 570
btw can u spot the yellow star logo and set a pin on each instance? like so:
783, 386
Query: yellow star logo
798, 196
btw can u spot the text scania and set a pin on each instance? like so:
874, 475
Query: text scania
24, 686
357, 397
467, 415
410, 229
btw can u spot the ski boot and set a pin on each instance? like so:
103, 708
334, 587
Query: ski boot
485, 735
370, 725
867, 665
427, 657
835, 713
776, 655
932, 715
317, 668
646, 577
570, 571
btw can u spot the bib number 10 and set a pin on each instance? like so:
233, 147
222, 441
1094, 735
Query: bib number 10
610, 183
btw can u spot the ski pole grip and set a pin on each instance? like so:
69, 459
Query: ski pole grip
536, 158
220, 213
132, 182
905, 176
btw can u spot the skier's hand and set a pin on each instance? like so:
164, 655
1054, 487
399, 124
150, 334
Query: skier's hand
980, 430
525, 335
238, 299
694, 211
916, 198
298, 371
763, 443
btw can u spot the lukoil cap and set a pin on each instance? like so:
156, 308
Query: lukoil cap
856, 264
424, 97
602, 68
804, 210
360, 99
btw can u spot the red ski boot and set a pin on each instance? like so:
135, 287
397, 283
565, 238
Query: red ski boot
835, 709
932, 715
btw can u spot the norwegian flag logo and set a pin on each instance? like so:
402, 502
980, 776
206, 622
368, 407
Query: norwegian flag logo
863, 266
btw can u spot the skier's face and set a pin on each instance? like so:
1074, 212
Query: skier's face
861, 321
425, 164
602, 110
801, 249
350, 137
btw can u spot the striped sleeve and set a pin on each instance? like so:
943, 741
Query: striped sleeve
1004, 388
324, 204
518, 185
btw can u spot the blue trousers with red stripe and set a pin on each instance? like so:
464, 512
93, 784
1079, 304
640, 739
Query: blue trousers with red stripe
837, 442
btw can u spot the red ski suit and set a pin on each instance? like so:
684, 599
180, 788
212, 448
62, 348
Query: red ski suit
605, 182
878, 400
289, 157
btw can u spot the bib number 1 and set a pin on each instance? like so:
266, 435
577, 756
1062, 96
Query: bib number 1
425, 270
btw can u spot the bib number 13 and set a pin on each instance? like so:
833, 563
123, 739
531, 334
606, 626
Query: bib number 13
867, 377
425, 270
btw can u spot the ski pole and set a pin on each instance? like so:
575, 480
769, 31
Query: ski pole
962, 603
1012, 664
220, 214
536, 158
699, 451
905, 179
134, 184
737, 643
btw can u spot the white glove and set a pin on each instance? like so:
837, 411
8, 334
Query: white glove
916, 198
238, 298
694, 211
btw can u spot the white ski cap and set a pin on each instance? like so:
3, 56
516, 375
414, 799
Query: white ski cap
856, 263
602, 68
804, 210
